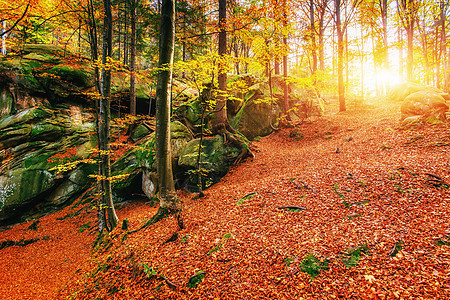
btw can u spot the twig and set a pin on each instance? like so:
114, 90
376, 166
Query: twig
170, 284
292, 207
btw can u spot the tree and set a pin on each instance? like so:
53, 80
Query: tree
133, 57
341, 27
220, 118
407, 10
340, 46
169, 202
104, 120
221, 125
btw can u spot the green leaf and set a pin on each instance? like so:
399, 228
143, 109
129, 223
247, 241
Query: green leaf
195, 280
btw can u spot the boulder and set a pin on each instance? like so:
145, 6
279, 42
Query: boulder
19, 187
399, 92
216, 159
34, 143
430, 105
255, 119
141, 158
6, 102
45, 71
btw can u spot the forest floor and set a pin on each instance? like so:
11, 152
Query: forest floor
346, 206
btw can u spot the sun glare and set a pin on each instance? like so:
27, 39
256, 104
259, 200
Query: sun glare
387, 78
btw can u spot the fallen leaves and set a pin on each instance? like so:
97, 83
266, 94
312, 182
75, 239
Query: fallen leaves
251, 220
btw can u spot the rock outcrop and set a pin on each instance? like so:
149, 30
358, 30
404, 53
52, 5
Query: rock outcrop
33, 143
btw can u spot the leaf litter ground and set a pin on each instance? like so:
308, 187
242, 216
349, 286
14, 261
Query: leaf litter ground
349, 195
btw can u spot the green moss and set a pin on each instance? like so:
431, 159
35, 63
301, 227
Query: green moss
312, 265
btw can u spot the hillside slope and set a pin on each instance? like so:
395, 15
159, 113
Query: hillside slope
348, 198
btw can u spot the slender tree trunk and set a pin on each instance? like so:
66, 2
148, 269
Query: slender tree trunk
340, 41
125, 35
220, 117
410, 55
424, 39
4, 38
277, 66
313, 37
119, 33
133, 57
446, 56
104, 119
169, 202
321, 32
285, 86
285, 65
384, 9
441, 48
400, 53
408, 12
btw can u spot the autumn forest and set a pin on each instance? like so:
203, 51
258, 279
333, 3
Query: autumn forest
261, 149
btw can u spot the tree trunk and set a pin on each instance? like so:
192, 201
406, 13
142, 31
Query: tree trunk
220, 117
400, 53
4, 38
169, 202
323, 8
125, 35
384, 8
133, 57
285, 65
313, 38
340, 41
441, 46
104, 120
410, 55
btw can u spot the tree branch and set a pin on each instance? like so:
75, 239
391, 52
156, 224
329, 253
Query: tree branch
17, 21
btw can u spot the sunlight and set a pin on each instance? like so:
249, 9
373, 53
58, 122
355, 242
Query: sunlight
387, 78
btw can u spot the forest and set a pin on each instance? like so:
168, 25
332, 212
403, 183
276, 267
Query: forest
261, 149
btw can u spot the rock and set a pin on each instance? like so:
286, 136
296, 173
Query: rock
140, 132
19, 187
45, 71
410, 122
399, 92
430, 105
76, 183
255, 119
34, 141
6, 102
216, 159
25, 116
120, 88
141, 158
149, 183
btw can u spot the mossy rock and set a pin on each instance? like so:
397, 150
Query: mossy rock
216, 159
35, 141
76, 183
25, 116
47, 70
19, 188
255, 118
142, 157
45, 49
140, 132
77, 75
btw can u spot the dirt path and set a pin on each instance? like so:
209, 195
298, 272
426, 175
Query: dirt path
361, 181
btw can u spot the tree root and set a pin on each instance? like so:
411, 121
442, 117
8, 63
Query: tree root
236, 139
161, 214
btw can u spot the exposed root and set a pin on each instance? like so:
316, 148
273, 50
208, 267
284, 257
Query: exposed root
236, 139
161, 214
